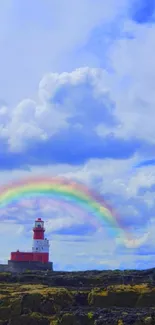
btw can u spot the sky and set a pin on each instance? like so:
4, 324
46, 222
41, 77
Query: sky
77, 100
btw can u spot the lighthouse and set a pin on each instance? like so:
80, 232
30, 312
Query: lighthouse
38, 258
40, 244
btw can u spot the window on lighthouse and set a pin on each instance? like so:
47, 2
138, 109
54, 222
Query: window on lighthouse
38, 224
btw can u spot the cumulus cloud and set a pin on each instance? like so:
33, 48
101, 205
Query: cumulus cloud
78, 98
75, 110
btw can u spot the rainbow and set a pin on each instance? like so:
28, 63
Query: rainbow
66, 192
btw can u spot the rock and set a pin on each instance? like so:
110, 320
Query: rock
78, 298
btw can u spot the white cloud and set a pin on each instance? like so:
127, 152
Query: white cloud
133, 82
108, 175
136, 242
127, 94
45, 40
62, 222
10, 228
61, 97
143, 177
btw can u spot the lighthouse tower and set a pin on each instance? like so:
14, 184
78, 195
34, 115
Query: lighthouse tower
40, 244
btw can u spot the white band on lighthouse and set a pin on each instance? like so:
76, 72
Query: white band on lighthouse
40, 246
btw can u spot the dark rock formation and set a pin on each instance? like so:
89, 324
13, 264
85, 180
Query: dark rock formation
18, 267
77, 298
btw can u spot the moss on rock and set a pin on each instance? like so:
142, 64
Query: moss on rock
31, 302
31, 319
67, 319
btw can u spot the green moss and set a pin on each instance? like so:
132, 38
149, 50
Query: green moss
32, 319
15, 307
67, 319
122, 296
10, 308
90, 315
36, 299
120, 322
71, 319
32, 302
54, 322
61, 298
148, 320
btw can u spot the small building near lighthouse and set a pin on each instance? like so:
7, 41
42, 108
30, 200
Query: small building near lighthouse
37, 259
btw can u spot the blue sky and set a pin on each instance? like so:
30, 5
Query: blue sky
77, 100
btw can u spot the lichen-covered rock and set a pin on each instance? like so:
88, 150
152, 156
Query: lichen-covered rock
28, 303
5, 313
81, 298
3, 322
131, 297
148, 320
31, 302
75, 319
32, 319
48, 301
10, 308
68, 319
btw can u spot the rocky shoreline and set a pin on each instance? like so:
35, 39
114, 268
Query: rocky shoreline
114, 315
78, 298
